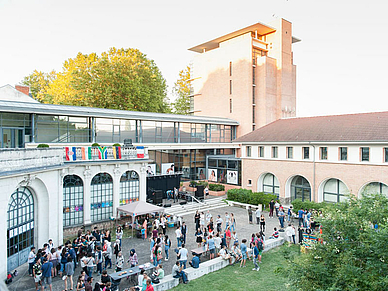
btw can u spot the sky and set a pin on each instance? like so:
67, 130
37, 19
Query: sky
341, 61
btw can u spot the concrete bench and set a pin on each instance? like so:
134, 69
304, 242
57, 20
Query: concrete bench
273, 243
168, 282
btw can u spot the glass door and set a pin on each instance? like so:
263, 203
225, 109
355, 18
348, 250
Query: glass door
12, 137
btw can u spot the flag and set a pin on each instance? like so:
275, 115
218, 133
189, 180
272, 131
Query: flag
117, 153
71, 154
140, 152
89, 153
83, 153
102, 153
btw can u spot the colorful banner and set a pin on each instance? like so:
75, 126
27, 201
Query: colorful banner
232, 177
104, 153
140, 152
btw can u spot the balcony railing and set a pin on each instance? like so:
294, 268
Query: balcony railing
89, 153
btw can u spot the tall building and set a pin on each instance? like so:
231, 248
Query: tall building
247, 75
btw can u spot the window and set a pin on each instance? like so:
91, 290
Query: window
129, 187
290, 152
101, 197
364, 152
306, 153
274, 152
73, 200
249, 182
343, 153
300, 189
385, 155
249, 151
230, 68
335, 191
261, 152
323, 153
230, 86
271, 184
230, 105
375, 188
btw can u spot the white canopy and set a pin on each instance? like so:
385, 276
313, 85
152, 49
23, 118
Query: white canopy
139, 208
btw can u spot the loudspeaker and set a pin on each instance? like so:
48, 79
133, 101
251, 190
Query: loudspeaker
183, 202
199, 192
158, 197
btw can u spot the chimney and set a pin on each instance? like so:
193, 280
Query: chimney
23, 89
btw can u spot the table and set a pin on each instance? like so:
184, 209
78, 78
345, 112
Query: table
200, 251
135, 270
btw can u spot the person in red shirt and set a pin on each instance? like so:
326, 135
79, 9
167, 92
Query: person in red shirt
228, 236
149, 285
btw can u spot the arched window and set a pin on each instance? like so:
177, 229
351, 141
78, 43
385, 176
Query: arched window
20, 227
101, 194
73, 200
271, 184
375, 188
335, 191
300, 189
129, 187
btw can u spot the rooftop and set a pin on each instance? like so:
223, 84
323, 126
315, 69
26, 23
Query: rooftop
361, 127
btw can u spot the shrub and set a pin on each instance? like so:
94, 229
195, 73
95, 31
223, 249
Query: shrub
299, 204
95, 144
117, 145
193, 183
249, 197
216, 187
43, 145
203, 183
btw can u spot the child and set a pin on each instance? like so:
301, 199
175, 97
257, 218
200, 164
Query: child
143, 233
275, 233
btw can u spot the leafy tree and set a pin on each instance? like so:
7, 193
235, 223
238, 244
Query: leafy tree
352, 255
181, 90
118, 79
38, 82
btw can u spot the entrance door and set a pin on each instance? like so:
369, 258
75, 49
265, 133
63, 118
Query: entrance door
13, 137
20, 227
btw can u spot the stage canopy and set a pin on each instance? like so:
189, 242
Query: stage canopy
139, 208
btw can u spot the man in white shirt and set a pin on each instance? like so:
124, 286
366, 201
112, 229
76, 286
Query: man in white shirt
224, 254
208, 216
31, 260
219, 223
277, 205
227, 220
183, 252
178, 236
289, 232
258, 214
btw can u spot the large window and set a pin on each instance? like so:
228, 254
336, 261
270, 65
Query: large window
101, 194
20, 227
129, 187
335, 191
73, 200
271, 184
364, 153
300, 189
343, 153
375, 188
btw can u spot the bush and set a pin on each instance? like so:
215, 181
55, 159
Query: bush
117, 145
43, 145
249, 197
95, 144
299, 204
193, 183
216, 187
203, 183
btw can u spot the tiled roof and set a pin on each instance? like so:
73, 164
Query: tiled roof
342, 128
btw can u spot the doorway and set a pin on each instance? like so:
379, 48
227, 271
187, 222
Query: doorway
12, 137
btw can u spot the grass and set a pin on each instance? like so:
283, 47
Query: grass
236, 278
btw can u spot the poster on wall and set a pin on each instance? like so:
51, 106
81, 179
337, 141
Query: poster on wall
212, 175
151, 169
201, 173
186, 172
232, 177
167, 168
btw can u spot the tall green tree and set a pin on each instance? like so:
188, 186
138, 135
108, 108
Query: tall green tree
352, 255
181, 90
118, 79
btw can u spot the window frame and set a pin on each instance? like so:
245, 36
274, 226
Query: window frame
275, 152
340, 153
248, 151
304, 153
290, 152
362, 154
261, 151
321, 153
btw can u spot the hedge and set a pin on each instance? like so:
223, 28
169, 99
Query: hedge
249, 197
298, 204
42, 145
216, 187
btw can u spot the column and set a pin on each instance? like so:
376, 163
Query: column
87, 194
116, 189
143, 183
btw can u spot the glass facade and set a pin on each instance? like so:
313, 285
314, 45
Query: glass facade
227, 169
335, 191
300, 189
271, 184
101, 194
129, 187
375, 188
73, 200
15, 129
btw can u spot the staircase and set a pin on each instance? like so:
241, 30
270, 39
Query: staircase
192, 207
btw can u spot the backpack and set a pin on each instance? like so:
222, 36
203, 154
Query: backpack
260, 245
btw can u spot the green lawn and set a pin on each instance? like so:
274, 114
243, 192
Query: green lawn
236, 278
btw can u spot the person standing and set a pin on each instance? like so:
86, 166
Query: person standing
281, 216
300, 217
219, 223
227, 220
176, 193
31, 261
37, 273
289, 214
167, 245
293, 232
197, 218
119, 262
255, 258
277, 205
271, 208
46, 274
289, 232
99, 259
183, 256
228, 237
184, 231
250, 214
119, 234
258, 214
233, 222
211, 246
132, 260
262, 223
198, 235
178, 236
69, 271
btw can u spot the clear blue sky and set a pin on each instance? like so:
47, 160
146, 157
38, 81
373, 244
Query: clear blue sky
341, 62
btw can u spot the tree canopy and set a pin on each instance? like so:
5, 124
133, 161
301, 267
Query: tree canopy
353, 253
181, 90
118, 79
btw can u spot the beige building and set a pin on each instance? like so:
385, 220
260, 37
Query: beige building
318, 158
247, 75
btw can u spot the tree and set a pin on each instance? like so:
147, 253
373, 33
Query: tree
352, 255
181, 90
118, 79
38, 82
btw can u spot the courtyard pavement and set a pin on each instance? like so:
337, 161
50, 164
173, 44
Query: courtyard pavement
243, 230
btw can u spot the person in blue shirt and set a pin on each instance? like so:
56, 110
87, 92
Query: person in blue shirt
300, 216
255, 258
244, 253
46, 274
195, 261
212, 247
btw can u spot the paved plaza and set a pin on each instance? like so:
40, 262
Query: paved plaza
142, 247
